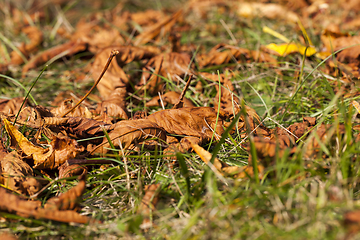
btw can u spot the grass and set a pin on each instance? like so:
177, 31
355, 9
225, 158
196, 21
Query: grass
299, 197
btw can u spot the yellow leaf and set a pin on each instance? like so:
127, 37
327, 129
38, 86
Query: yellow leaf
223, 168
323, 55
288, 48
39, 154
206, 156
275, 34
356, 105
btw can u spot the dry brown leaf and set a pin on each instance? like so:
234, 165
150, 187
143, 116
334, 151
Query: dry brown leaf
7, 236
206, 157
66, 170
127, 132
81, 128
327, 136
39, 154
60, 149
267, 148
3, 67
162, 27
348, 59
351, 5
114, 77
328, 35
17, 175
128, 54
70, 199
67, 49
14, 204
268, 10
64, 149
36, 37
114, 107
223, 53
352, 222
11, 106
166, 65
195, 122
229, 102
169, 97
225, 169
184, 145
149, 202
67, 105
148, 17
22, 18
102, 39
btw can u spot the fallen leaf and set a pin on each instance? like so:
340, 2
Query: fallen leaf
225, 169
68, 104
67, 49
64, 149
70, 199
15, 204
66, 170
229, 102
39, 154
168, 65
268, 10
223, 53
113, 78
7, 236
268, 148
114, 107
199, 122
149, 202
162, 26
11, 106
169, 97
127, 132
17, 175
36, 37
288, 48
60, 149
352, 222
356, 105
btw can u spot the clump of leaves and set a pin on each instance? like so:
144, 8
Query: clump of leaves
269, 112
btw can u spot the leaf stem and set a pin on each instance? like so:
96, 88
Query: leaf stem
112, 55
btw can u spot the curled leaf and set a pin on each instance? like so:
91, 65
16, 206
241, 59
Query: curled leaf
169, 97
39, 154
58, 211
162, 26
64, 149
66, 49
17, 175
149, 201
288, 48
36, 37
68, 200
129, 132
225, 169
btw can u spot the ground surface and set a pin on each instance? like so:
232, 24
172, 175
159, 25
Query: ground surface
307, 188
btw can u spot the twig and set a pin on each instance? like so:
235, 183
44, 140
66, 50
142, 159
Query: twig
112, 55
180, 102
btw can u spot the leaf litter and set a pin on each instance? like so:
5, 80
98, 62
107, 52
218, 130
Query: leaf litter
68, 135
